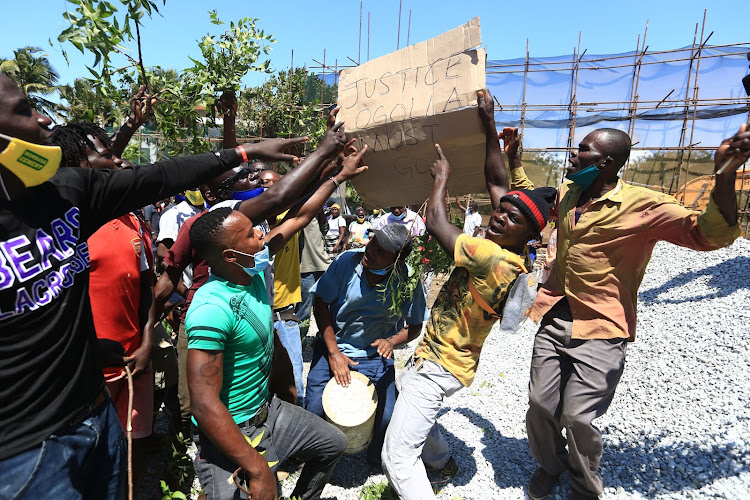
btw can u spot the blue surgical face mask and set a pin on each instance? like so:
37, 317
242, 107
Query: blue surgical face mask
380, 272
585, 177
261, 261
399, 217
247, 194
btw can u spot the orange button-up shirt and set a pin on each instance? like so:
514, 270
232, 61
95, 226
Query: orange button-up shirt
601, 258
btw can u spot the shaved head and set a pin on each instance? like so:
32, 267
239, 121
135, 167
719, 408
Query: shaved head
615, 143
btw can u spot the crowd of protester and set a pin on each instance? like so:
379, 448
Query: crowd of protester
95, 252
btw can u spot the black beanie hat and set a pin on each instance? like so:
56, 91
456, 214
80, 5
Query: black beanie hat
535, 204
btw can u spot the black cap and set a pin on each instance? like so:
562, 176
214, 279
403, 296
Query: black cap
535, 204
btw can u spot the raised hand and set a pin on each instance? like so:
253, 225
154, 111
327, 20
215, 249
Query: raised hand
141, 105
511, 141
352, 164
736, 148
440, 167
334, 140
228, 103
486, 106
274, 149
331, 119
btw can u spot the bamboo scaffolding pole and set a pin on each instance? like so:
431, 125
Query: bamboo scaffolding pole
523, 98
634, 89
696, 90
683, 131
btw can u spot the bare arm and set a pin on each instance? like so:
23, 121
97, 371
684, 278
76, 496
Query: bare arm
403, 336
438, 224
294, 222
165, 286
461, 206
336, 360
228, 103
140, 109
495, 173
291, 187
204, 371
738, 148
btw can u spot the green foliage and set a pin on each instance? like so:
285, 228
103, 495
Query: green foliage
168, 494
34, 75
378, 491
426, 256
228, 57
99, 27
179, 466
87, 105
286, 105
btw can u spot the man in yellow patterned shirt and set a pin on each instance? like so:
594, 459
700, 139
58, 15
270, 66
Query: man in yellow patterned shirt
605, 234
446, 360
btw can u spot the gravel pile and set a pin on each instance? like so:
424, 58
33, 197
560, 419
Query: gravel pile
679, 426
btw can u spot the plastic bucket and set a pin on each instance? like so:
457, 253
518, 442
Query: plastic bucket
352, 410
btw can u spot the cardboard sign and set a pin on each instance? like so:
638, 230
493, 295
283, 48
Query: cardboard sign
402, 103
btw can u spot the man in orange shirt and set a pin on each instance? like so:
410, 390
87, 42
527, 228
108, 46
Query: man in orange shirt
605, 234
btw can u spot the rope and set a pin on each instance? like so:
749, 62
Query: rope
129, 431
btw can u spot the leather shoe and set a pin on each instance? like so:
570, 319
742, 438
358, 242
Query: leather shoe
541, 484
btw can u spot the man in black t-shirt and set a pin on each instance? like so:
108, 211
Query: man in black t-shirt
59, 431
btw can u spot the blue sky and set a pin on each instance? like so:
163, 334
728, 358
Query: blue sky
308, 28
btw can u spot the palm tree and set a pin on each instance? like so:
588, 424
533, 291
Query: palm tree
34, 75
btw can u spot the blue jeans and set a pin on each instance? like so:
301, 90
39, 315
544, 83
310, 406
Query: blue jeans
378, 369
304, 307
290, 339
86, 459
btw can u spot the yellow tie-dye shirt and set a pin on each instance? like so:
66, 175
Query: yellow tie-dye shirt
457, 327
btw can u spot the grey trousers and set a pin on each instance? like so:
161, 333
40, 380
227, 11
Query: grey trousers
288, 432
572, 382
413, 437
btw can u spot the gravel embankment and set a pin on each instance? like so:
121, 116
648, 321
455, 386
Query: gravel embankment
679, 426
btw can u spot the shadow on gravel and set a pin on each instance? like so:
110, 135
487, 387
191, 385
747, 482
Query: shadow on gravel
718, 279
648, 467
510, 457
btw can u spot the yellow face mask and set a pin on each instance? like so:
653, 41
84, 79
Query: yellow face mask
195, 198
33, 164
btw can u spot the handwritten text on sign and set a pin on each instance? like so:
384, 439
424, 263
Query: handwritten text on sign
400, 104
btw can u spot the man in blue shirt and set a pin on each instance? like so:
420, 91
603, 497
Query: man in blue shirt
358, 326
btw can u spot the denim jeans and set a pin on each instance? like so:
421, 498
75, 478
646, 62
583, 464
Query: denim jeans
288, 432
86, 459
414, 437
304, 307
378, 369
290, 338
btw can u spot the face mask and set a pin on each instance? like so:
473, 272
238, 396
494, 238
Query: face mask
261, 261
585, 177
380, 272
33, 164
360, 219
247, 194
399, 217
195, 198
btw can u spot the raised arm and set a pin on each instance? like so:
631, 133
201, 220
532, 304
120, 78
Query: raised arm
299, 217
495, 173
511, 145
438, 224
141, 105
228, 104
291, 187
738, 148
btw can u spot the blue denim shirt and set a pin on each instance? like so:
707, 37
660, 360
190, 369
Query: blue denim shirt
359, 314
